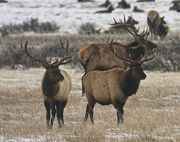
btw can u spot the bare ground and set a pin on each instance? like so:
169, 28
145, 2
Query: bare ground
152, 115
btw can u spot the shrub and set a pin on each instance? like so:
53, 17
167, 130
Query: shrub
88, 28
32, 25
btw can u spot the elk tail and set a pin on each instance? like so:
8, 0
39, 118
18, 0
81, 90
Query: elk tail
83, 92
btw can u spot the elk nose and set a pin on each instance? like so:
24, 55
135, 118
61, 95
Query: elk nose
61, 78
143, 76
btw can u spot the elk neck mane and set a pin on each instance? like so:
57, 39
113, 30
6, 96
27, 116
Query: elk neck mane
129, 84
49, 88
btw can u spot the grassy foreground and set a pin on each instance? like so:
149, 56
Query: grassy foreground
151, 115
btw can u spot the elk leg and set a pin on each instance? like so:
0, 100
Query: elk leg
87, 113
60, 110
48, 107
120, 112
53, 113
91, 114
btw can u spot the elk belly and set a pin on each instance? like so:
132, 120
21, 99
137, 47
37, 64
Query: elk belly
101, 93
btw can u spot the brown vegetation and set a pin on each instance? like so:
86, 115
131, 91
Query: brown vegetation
45, 46
151, 115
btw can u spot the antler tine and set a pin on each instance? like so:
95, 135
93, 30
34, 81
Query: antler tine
130, 32
123, 58
111, 43
65, 48
61, 62
120, 57
143, 32
35, 59
107, 41
62, 44
147, 59
115, 22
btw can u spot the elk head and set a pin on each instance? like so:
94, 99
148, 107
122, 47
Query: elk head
135, 66
137, 48
52, 69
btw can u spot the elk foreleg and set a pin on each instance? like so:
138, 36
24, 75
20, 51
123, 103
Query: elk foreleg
120, 112
53, 113
48, 107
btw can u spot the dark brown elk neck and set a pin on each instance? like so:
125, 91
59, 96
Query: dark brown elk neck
49, 87
130, 83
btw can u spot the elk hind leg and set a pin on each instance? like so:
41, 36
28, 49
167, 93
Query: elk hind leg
89, 112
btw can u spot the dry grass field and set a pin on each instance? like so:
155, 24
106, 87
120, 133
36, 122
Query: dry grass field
152, 115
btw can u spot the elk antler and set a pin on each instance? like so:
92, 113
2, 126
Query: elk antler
142, 60
130, 28
65, 48
35, 59
62, 61
120, 57
56, 63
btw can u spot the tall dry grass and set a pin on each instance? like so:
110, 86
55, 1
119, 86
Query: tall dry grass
152, 115
45, 46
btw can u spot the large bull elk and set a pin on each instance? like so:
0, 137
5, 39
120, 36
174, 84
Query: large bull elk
113, 86
56, 86
100, 57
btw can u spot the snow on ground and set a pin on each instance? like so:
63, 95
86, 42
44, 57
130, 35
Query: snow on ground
37, 139
69, 14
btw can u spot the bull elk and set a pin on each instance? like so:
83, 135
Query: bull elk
157, 24
113, 86
56, 86
100, 57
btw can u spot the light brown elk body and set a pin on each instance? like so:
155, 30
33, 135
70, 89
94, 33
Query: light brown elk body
157, 24
100, 57
112, 87
56, 86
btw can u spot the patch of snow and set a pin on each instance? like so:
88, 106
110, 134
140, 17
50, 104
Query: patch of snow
163, 110
175, 98
20, 139
69, 14
120, 136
